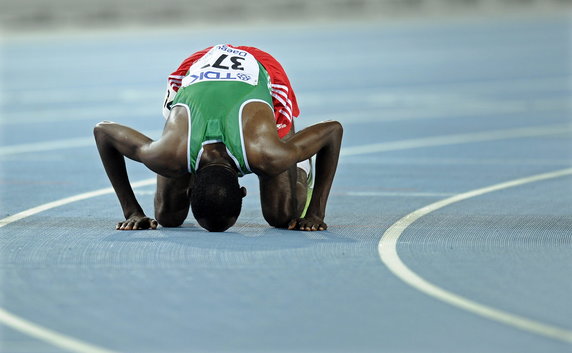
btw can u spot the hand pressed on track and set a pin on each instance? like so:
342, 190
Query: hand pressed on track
137, 223
307, 224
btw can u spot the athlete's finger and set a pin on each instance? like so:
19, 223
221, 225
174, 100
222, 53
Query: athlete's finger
142, 224
148, 224
292, 224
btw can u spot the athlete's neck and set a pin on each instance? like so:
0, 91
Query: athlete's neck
215, 154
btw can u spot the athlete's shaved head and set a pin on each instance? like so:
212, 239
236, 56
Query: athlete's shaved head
216, 198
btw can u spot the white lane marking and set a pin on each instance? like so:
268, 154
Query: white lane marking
47, 335
57, 144
47, 146
397, 194
382, 107
458, 139
39, 332
55, 340
65, 201
477, 91
76, 114
347, 151
387, 249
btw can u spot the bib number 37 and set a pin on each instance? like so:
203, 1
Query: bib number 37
236, 62
223, 63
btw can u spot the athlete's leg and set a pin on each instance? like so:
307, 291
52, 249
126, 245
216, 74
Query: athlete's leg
283, 197
172, 200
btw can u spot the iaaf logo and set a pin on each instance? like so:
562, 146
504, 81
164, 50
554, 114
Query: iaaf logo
215, 76
243, 77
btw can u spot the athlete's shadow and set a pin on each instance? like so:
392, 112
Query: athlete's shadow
247, 237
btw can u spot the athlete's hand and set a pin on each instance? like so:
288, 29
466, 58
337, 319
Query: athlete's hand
137, 223
307, 223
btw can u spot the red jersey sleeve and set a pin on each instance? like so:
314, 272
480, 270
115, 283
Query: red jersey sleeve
283, 97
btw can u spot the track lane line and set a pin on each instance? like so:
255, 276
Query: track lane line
62, 144
387, 249
61, 340
39, 332
440, 140
457, 139
49, 336
61, 202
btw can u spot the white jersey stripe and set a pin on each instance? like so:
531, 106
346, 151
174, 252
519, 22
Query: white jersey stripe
283, 103
282, 93
286, 103
285, 113
280, 86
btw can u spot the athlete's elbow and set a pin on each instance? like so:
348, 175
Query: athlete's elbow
103, 124
101, 128
99, 131
337, 128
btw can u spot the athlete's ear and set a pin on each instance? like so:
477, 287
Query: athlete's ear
243, 189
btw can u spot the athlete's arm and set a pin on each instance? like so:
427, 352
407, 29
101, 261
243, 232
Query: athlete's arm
268, 155
114, 143
324, 140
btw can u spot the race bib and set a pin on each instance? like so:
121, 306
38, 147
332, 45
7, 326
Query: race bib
223, 63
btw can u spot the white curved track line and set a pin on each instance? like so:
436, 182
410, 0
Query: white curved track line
441, 140
387, 249
49, 336
455, 139
39, 332
46, 146
63, 341
62, 144
65, 201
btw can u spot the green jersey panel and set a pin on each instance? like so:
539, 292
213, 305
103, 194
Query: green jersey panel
215, 115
